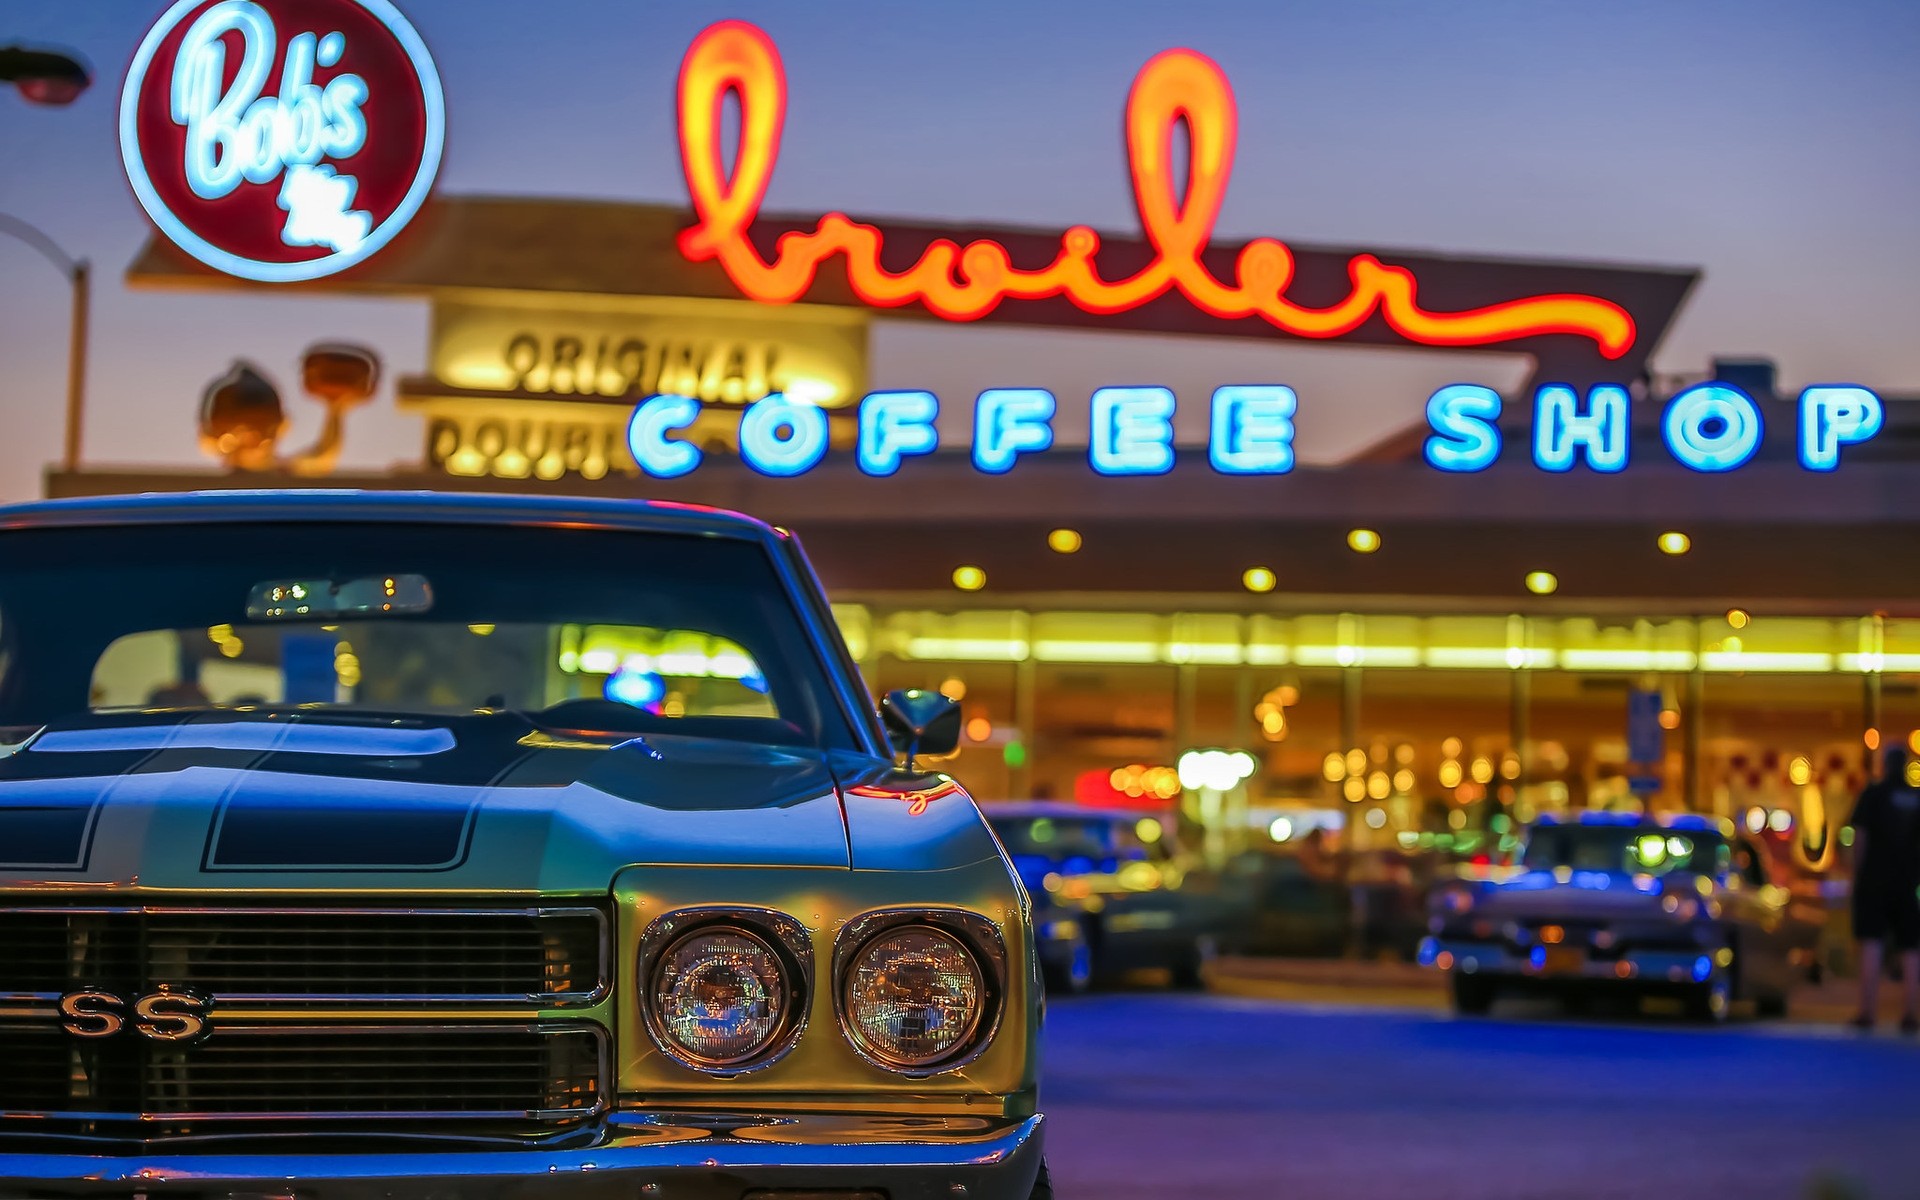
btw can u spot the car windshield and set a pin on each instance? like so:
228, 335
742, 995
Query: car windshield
594, 630
1055, 838
1632, 849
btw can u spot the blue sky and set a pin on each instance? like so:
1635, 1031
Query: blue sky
1775, 143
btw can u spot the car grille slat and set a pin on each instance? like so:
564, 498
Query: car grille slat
549, 956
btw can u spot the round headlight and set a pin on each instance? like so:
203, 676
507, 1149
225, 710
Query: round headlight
718, 997
914, 997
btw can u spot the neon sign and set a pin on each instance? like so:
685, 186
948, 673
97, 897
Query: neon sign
281, 140
1710, 427
964, 283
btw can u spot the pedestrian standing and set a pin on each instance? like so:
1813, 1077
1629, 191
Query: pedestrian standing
1886, 887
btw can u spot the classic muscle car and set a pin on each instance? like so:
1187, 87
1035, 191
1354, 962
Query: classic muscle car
1106, 899
359, 845
1676, 905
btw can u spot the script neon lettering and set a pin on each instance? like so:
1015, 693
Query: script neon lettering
963, 283
235, 134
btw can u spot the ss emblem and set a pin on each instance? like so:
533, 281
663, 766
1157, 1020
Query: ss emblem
169, 1014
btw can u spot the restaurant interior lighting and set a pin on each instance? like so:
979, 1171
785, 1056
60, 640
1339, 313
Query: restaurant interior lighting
1064, 541
1363, 541
1257, 579
1738, 618
1542, 583
1672, 542
969, 579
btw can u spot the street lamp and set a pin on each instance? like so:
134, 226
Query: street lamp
77, 275
43, 76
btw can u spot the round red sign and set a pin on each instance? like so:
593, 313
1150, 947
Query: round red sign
281, 140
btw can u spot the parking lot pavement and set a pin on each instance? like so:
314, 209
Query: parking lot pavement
1158, 1095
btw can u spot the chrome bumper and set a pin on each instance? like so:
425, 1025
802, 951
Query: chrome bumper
1641, 966
663, 1156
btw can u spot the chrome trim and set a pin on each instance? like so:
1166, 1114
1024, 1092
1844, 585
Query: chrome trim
849, 685
236, 1002
996, 1158
554, 1117
792, 947
980, 936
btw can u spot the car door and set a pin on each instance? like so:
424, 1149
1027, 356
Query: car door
1145, 921
1759, 910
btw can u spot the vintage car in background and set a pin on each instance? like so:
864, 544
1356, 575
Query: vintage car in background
1113, 891
1677, 905
358, 845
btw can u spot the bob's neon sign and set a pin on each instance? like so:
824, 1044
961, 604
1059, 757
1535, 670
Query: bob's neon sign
964, 283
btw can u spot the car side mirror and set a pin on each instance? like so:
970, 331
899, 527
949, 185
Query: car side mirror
921, 724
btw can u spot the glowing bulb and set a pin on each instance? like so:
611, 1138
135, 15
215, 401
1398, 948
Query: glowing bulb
1354, 789
1675, 543
969, 579
1376, 818
1542, 583
1280, 830
1799, 771
1669, 718
1334, 767
1363, 541
1257, 579
954, 689
1064, 541
979, 729
1738, 617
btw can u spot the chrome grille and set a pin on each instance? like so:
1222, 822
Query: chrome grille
510, 1077
317, 956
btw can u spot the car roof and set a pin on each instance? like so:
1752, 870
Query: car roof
1030, 810
1587, 818
340, 504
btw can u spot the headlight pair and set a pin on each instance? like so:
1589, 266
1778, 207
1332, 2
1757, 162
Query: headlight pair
727, 990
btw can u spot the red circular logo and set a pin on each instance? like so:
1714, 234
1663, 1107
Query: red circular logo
282, 140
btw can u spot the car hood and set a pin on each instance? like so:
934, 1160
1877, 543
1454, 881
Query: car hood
469, 804
1573, 896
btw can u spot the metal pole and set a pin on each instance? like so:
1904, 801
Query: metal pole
77, 363
78, 276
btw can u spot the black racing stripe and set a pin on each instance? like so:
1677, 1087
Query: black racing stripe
339, 835
48, 836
